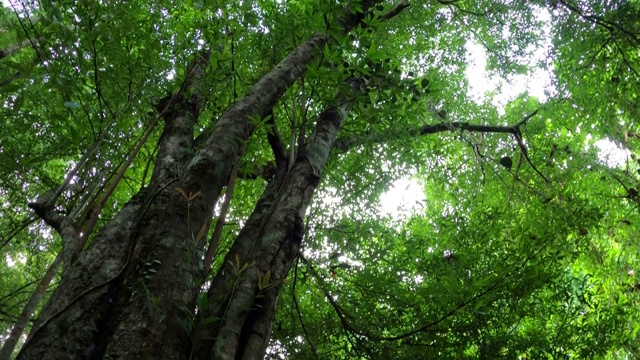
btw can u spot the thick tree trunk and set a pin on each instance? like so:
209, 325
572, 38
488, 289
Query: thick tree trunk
131, 294
67, 323
126, 294
244, 293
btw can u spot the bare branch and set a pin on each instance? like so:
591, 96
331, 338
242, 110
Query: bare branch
220, 223
275, 141
344, 144
13, 48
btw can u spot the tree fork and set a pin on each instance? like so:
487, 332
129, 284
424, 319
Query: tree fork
242, 332
125, 239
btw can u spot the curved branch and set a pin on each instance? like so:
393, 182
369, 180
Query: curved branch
395, 10
597, 20
344, 144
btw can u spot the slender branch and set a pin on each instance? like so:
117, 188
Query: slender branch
85, 199
424, 327
102, 101
395, 10
625, 59
94, 217
338, 309
275, 141
27, 312
17, 230
221, 222
525, 119
9, 79
299, 313
594, 19
53, 197
524, 151
344, 144
147, 166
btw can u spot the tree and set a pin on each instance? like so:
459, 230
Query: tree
524, 247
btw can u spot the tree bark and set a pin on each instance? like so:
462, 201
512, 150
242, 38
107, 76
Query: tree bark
14, 47
85, 307
244, 293
96, 310
29, 309
131, 294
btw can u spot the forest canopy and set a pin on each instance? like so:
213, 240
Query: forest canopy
340, 179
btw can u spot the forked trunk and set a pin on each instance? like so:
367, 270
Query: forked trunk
132, 293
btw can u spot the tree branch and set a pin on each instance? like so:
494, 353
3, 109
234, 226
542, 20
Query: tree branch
275, 141
220, 223
597, 20
344, 144
395, 11
42, 207
13, 48
61, 223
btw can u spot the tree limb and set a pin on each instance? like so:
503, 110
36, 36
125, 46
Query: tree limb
13, 48
597, 20
344, 144
275, 141
395, 10
220, 223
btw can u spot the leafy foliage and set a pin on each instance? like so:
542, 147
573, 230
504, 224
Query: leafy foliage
526, 244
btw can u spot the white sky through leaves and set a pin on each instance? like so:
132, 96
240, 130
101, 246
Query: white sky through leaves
406, 196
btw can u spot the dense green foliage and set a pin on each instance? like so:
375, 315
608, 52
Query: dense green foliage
534, 259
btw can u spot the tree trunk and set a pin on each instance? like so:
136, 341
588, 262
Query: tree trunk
29, 309
243, 295
131, 294
128, 294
